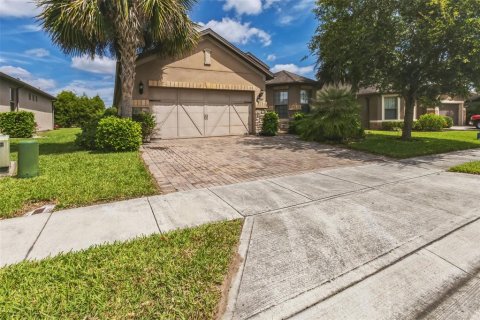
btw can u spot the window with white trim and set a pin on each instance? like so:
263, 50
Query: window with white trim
390, 108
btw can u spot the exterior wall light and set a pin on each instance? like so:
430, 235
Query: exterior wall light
140, 87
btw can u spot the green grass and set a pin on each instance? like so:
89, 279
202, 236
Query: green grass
173, 276
388, 143
73, 177
469, 167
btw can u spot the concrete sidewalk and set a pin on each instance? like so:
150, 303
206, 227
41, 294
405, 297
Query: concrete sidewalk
43, 235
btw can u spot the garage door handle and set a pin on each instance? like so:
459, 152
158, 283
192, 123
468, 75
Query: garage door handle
205, 117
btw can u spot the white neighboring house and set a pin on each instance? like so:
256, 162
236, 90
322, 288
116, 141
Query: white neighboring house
17, 95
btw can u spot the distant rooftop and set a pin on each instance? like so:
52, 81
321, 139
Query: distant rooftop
286, 77
23, 84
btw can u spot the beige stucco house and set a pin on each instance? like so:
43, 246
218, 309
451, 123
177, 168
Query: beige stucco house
215, 90
17, 95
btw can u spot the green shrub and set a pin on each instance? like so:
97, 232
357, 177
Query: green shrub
87, 137
17, 124
448, 122
392, 125
270, 124
431, 122
292, 126
147, 122
335, 116
417, 126
118, 134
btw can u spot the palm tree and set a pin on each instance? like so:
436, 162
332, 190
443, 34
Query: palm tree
122, 29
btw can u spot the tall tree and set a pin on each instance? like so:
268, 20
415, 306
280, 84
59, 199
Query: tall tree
417, 48
120, 28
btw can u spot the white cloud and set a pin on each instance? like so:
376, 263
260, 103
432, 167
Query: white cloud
271, 57
286, 20
237, 32
292, 68
101, 65
18, 8
25, 75
39, 53
243, 6
91, 88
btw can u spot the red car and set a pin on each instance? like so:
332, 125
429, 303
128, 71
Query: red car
475, 120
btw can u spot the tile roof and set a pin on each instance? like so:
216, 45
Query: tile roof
285, 77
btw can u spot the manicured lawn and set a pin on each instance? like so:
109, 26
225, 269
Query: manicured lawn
388, 143
173, 276
72, 177
469, 167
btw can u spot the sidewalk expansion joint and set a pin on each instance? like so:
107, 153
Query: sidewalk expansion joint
153, 213
38, 236
241, 214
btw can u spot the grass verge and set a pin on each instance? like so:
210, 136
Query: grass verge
469, 167
173, 276
388, 143
73, 177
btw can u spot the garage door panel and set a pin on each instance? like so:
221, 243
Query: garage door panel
240, 119
191, 121
218, 120
166, 116
191, 113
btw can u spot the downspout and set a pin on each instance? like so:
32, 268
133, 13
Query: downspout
368, 112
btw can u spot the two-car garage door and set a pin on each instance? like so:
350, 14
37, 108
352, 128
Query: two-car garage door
188, 113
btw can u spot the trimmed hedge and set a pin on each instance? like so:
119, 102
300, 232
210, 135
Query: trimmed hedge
431, 122
448, 121
270, 124
118, 134
392, 125
17, 124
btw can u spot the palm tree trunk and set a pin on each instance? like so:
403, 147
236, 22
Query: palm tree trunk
408, 122
127, 43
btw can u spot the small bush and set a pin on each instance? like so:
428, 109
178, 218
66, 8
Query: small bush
431, 122
17, 124
270, 124
335, 117
417, 126
392, 125
292, 126
118, 134
448, 122
147, 122
87, 137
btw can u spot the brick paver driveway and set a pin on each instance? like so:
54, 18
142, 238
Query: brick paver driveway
186, 164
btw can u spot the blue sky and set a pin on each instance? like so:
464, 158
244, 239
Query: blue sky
277, 31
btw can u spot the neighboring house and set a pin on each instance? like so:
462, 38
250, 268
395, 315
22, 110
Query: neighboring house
215, 90
288, 93
16, 95
377, 108
452, 107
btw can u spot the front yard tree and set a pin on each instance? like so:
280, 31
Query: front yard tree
119, 28
417, 48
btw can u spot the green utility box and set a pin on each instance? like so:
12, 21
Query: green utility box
27, 159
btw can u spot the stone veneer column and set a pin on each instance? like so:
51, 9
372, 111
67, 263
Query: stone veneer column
259, 114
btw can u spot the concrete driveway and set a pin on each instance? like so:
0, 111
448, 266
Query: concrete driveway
187, 164
381, 241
